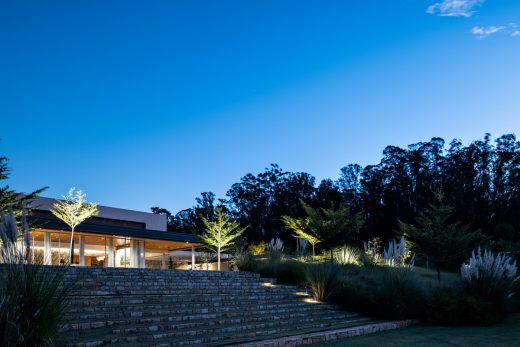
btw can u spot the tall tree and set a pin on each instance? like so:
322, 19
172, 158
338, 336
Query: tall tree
74, 210
261, 200
444, 242
481, 181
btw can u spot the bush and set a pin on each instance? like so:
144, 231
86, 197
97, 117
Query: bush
291, 272
450, 307
244, 261
389, 293
257, 249
32, 304
488, 275
372, 256
32, 296
322, 278
285, 271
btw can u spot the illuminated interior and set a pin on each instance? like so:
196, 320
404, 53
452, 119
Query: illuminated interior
51, 247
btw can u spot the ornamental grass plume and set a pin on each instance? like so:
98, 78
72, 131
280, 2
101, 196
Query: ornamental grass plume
397, 254
489, 275
275, 248
347, 255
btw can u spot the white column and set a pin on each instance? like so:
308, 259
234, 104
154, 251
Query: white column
134, 253
142, 255
110, 252
193, 257
163, 261
47, 251
82, 250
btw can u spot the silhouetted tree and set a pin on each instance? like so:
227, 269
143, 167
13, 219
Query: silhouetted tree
11, 199
480, 181
444, 242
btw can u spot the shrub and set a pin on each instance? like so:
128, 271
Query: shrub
399, 295
291, 272
257, 249
372, 257
347, 255
32, 297
285, 271
388, 293
322, 279
244, 261
450, 307
488, 275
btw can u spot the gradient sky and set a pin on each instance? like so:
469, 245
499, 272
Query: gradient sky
149, 103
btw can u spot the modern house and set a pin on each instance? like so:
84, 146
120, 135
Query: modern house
114, 238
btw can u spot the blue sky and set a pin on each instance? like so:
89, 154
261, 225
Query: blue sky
145, 103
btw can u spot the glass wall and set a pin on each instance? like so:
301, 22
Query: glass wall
122, 252
51, 247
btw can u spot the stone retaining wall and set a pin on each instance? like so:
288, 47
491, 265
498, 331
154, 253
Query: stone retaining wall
331, 335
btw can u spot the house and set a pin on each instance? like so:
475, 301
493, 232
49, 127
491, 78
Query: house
114, 238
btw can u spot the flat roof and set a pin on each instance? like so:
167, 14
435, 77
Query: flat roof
56, 224
153, 221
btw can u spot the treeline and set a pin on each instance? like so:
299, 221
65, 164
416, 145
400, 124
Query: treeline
481, 181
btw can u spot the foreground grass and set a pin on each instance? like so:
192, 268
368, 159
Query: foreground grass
504, 334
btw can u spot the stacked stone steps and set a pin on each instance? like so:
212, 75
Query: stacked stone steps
238, 330
230, 339
172, 313
173, 318
138, 307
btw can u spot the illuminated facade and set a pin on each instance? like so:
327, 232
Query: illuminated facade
114, 238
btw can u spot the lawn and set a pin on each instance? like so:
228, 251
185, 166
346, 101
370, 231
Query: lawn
501, 335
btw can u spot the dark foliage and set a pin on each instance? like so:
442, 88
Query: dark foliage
190, 220
435, 236
481, 181
451, 307
387, 293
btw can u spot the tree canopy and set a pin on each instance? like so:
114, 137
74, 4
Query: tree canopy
480, 181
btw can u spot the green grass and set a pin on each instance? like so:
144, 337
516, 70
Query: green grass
504, 334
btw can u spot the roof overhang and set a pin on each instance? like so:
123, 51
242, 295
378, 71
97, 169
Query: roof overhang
115, 231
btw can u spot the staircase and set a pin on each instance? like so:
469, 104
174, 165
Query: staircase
140, 307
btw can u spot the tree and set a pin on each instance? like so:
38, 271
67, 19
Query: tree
261, 200
221, 232
481, 181
74, 210
334, 226
302, 229
331, 226
11, 200
445, 243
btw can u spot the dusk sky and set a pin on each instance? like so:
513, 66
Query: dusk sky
150, 103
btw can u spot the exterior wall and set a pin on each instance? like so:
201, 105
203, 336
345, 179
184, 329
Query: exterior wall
151, 220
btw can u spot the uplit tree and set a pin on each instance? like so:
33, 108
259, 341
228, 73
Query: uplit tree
334, 226
302, 229
74, 210
220, 232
